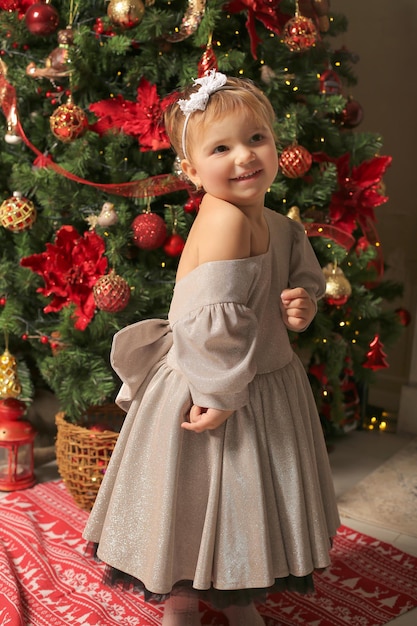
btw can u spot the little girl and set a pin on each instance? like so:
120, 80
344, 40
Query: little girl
219, 487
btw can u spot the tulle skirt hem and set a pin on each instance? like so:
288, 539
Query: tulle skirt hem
217, 598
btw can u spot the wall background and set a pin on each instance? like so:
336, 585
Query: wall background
384, 35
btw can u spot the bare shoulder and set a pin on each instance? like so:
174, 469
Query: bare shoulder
222, 231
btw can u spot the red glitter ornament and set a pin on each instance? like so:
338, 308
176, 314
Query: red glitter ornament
295, 161
174, 245
149, 231
299, 33
376, 357
41, 19
17, 213
68, 122
208, 61
111, 293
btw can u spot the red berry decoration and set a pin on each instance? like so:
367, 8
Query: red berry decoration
295, 161
174, 245
17, 213
68, 122
299, 33
41, 19
149, 231
111, 293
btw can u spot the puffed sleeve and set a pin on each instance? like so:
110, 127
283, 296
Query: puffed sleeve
214, 347
215, 332
304, 269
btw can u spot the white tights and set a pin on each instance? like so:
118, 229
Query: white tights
182, 610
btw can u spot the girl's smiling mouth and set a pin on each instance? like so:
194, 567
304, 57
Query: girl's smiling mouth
247, 176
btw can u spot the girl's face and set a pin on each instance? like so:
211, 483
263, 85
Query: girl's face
234, 159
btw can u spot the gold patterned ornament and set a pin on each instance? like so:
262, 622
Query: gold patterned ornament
9, 381
126, 13
68, 122
17, 213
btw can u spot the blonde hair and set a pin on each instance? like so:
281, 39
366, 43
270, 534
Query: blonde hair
235, 95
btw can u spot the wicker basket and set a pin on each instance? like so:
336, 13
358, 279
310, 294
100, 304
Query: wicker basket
83, 453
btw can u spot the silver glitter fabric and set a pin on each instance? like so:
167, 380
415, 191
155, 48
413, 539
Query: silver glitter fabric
253, 500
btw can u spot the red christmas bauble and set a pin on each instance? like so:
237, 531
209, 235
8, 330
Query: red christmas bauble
41, 19
299, 33
174, 245
352, 114
404, 316
149, 231
68, 122
111, 293
193, 204
295, 161
17, 213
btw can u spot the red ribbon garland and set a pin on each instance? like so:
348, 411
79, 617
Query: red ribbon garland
147, 187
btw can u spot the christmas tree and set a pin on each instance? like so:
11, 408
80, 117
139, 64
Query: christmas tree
95, 210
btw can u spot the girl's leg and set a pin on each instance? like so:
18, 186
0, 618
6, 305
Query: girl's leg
247, 615
181, 610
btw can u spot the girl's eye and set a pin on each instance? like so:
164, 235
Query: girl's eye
257, 137
218, 149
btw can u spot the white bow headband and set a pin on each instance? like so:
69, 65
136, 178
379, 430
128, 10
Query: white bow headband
210, 83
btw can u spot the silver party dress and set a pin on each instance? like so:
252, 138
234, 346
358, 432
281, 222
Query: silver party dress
246, 505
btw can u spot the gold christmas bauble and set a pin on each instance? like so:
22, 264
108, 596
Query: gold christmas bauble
294, 214
17, 213
338, 288
126, 13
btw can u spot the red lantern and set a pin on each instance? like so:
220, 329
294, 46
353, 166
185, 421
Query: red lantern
16, 446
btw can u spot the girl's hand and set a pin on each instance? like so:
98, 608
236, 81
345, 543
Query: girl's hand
202, 419
298, 309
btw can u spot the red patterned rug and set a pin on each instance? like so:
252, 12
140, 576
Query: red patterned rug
45, 579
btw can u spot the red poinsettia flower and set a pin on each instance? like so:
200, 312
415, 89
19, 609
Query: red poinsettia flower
142, 119
358, 193
70, 268
266, 11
